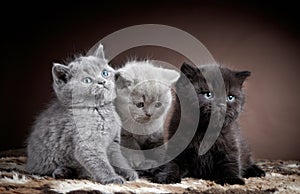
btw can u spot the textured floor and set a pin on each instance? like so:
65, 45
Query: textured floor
282, 177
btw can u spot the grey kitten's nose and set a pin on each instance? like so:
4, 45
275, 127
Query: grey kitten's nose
148, 114
101, 82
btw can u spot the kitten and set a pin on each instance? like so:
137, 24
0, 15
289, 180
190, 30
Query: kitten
229, 159
143, 100
79, 133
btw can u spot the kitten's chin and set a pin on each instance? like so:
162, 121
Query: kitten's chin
105, 95
98, 90
143, 120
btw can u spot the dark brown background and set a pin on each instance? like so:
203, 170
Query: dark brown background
262, 37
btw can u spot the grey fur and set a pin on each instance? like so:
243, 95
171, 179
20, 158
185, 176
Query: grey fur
80, 130
143, 128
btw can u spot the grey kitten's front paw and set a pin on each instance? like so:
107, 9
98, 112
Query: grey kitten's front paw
63, 172
111, 180
148, 164
131, 175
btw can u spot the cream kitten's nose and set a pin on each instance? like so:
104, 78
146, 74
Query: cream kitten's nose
101, 82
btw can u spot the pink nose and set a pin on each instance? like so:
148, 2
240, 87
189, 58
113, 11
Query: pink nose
101, 82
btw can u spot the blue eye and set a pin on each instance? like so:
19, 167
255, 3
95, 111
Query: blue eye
230, 98
105, 73
208, 95
87, 80
158, 104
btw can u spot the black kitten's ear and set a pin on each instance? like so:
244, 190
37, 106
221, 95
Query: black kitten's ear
188, 70
242, 75
123, 81
60, 73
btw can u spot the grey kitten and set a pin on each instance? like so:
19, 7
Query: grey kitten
143, 100
80, 131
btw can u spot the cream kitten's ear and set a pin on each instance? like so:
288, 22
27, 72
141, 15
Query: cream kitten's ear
60, 73
123, 81
171, 76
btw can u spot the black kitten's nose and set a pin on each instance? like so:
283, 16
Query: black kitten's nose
222, 105
101, 82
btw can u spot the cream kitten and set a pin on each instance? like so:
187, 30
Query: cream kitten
143, 100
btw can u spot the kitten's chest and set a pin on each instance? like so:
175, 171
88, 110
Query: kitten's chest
99, 123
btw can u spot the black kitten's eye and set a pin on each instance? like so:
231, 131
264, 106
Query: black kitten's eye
208, 95
140, 104
230, 98
158, 104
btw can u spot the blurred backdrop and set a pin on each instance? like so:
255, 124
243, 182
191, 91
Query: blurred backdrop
262, 37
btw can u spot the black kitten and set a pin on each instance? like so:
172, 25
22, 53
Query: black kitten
229, 159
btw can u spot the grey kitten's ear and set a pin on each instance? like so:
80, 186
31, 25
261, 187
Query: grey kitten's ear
242, 75
99, 52
188, 70
171, 76
122, 80
60, 73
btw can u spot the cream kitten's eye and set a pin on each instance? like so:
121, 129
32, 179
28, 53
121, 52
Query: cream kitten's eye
140, 104
158, 104
230, 98
87, 80
105, 73
208, 95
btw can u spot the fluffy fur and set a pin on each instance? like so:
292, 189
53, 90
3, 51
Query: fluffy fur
143, 100
229, 159
79, 133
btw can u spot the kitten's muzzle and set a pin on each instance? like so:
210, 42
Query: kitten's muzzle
101, 82
143, 119
221, 107
148, 115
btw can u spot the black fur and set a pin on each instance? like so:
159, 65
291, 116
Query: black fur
229, 159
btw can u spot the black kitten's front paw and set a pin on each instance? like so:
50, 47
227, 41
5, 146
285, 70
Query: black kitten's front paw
254, 171
230, 180
163, 178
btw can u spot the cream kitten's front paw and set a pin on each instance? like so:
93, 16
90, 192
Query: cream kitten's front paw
148, 164
135, 160
131, 175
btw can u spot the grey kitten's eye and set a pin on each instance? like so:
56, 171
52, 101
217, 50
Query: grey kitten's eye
158, 104
208, 95
105, 73
140, 105
230, 98
87, 80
